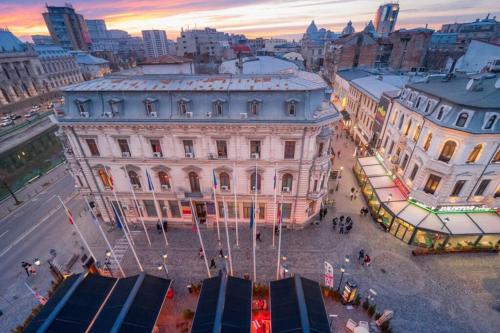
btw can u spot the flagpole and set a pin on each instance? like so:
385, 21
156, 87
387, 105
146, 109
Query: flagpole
275, 203
68, 213
235, 205
157, 206
199, 236
214, 185
136, 202
128, 240
124, 224
255, 225
279, 238
227, 236
105, 238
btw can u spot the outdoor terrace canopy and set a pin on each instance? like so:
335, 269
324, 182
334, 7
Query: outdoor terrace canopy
224, 305
297, 306
94, 303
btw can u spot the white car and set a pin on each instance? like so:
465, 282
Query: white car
30, 114
5, 118
6, 123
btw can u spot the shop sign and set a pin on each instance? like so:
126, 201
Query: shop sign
328, 275
451, 209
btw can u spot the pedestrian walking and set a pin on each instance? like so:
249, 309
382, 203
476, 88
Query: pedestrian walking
158, 227
25, 265
221, 253
348, 227
338, 153
367, 260
212, 263
362, 211
356, 194
200, 253
352, 196
341, 218
320, 214
334, 223
258, 237
325, 211
361, 256
276, 230
341, 231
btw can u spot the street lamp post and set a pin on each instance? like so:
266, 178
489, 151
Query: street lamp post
164, 264
342, 270
107, 262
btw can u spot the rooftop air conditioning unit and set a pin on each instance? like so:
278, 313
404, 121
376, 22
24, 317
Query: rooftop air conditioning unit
286, 189
84, 114
108, 114
165, 187
224, 188
243, 115
153, 114
209, 114
189, 114
156, 154
189, 155
125, 154
254, 156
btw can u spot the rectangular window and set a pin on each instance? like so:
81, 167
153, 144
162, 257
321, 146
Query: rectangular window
124, 148
292, 109
174, 208
163, 209
94, 151
188, 147
386, 141
289, 149
392, 147
262, 211
156, 147
414, 172
405, 160
482, 186
287, 210
247, 207
255, 148
320, 149
459, 185
432, 184
220, 205
231, 211
150, 208
221, 149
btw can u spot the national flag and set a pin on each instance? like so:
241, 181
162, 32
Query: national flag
150, 182
117, 217
110, 180
70, 217
214, 179
252, 213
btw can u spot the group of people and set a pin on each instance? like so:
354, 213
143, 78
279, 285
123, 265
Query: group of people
28, 268
344, 226
322, 212
364, 211
364, 258
354, 193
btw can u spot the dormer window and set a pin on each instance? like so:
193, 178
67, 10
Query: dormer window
427, 107
440, 113
150, 105
490, 122
254, 106
183, 106
82, 105
462, 119
115, 105
218, 106
419, 99
291, 107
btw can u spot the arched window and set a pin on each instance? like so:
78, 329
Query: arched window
104, 178
462, 119
474, 154
134, 179
224, 181
194, 181
427, 142
401, 120
447, 151
490, 122
252, 182
164, 180
286, 182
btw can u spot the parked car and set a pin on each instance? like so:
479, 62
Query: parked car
6, 123
30, 114
35, 108
14, 116
6, 117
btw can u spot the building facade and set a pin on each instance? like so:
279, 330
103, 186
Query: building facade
67, 28
21, 73
205, 45
60, 66
442, 139
385, 19
186, 130
313, 46
409, 48
155, 43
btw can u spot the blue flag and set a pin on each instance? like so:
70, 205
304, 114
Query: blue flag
214, 179
252, 217
150, 182
274, 185
117, 217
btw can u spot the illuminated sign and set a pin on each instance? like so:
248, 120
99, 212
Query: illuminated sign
453, 209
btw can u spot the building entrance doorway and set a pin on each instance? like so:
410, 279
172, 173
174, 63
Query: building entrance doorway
201, 211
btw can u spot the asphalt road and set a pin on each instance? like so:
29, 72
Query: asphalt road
32, 230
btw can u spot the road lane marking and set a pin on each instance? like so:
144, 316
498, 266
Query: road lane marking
4, 233
29, 231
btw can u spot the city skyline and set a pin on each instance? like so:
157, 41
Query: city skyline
253, 18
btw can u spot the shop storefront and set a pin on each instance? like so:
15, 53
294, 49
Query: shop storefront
413, 223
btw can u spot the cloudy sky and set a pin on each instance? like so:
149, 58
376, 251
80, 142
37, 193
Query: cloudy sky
287, 18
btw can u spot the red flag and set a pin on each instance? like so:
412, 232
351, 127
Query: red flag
110, 179
70, 217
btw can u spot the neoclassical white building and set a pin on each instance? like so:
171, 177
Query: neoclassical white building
442, 139
183, 129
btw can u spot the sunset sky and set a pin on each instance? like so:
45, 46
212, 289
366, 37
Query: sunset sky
285, 18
